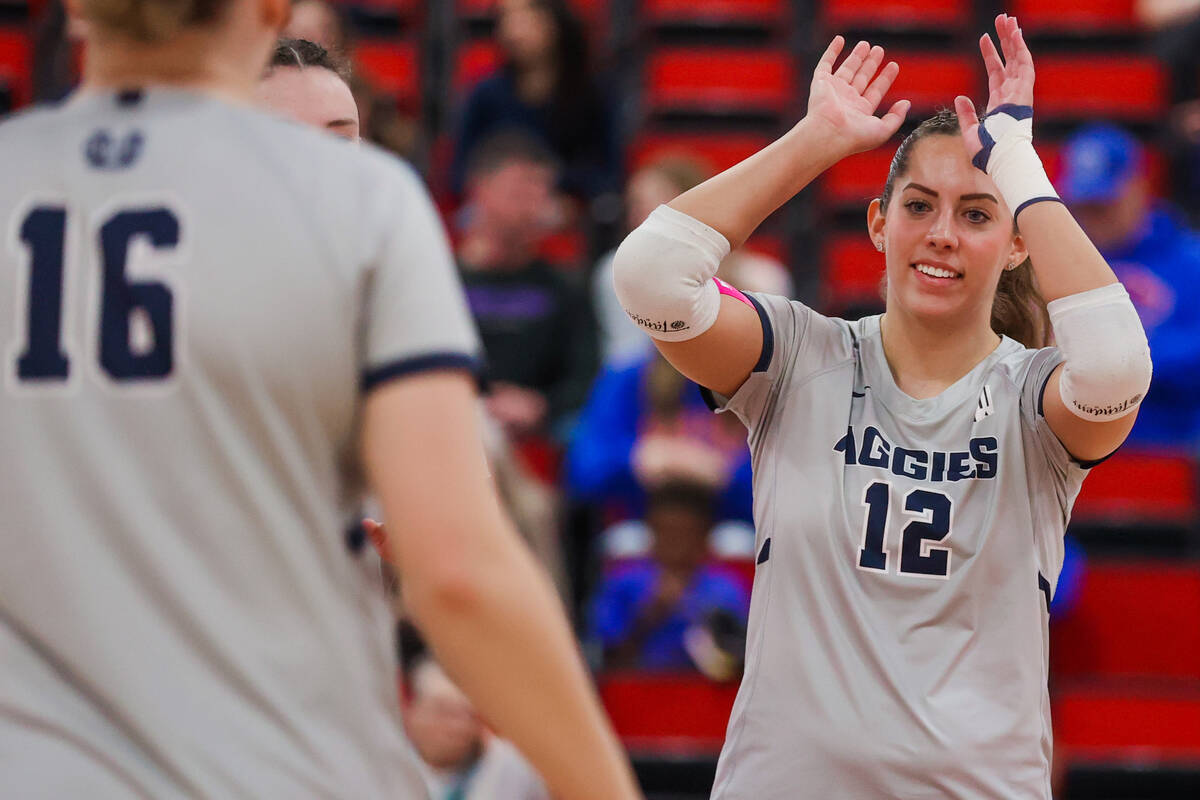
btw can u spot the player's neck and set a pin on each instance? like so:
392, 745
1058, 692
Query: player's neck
186, 62
926, 360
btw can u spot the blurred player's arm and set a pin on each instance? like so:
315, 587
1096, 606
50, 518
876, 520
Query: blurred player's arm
723, 338
490, 614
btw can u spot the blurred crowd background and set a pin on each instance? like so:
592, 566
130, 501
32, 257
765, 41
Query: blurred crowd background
546, 129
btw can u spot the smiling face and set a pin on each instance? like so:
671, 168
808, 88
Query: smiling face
947, 236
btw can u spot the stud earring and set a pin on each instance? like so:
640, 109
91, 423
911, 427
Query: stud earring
1011, 266
879, 246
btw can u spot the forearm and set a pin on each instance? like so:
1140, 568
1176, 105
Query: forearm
1064, 260
532, 672
736, 201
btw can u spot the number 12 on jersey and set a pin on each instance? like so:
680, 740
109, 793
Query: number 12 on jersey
123, 302
930, 514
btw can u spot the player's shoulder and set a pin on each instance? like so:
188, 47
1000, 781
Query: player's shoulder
30, 124
1015, 362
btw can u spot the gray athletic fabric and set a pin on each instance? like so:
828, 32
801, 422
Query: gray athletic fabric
180, 612
895, 676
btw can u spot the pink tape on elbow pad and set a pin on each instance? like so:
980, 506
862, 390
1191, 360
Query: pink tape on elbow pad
725, 288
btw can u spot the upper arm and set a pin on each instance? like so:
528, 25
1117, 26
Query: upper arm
423, 456
1084, 439
722, 357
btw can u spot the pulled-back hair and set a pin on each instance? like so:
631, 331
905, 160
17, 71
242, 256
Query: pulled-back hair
302, 53
152, 21
1018, 310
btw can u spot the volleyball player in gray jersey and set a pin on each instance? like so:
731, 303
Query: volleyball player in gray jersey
215, 324
913, 472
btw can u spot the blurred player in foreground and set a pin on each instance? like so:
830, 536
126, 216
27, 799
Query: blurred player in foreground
914, 471
215, 321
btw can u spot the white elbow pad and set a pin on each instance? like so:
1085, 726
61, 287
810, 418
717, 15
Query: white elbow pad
1106, 369
663, 273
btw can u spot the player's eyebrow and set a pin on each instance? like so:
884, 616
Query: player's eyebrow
339, 123
932, 193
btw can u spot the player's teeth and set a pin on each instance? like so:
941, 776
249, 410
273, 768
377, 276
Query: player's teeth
935, 271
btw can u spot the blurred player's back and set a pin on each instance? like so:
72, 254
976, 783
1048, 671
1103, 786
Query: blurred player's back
192, 296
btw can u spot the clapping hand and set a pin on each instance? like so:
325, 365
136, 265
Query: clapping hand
844, 101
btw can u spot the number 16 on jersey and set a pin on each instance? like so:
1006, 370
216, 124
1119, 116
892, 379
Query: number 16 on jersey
134, 326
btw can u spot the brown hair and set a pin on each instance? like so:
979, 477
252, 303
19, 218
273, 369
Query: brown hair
301, 53
1018, 310
151, 21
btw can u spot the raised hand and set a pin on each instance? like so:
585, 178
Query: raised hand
844, 101
1010, 81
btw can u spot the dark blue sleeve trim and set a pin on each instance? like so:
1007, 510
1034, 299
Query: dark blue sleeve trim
1044, 586
423, 363
1013, 110
1041, 413
709, 400
768, 345
1033, 200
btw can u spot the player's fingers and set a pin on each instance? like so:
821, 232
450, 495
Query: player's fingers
1023, 55
867, 70
1007, 36
991, 57
879, 87
895, 116
965, 109
829, 57
853, 61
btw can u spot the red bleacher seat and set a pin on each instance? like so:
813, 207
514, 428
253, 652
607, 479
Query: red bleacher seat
667, 712
896, 14
858, 179
1126, 87
717, 151
473, 61
712, 80
853, 271
1131, 619
393, 67
1147, 723
15, 64
1075, 17
1140, 487
932, 80
742, 13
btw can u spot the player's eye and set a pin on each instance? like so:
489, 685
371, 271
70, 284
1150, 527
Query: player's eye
977, 215
917, 206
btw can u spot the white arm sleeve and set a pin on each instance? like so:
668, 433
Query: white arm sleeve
1106, 369
663, 273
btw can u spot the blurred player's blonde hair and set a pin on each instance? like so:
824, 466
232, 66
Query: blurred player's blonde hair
1018, 309
151, 21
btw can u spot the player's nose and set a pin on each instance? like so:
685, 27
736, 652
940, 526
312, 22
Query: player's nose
940, 233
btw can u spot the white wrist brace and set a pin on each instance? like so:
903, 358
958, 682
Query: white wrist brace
1009, 158
663, 273
1106, 369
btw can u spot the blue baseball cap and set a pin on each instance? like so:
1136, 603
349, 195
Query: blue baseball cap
1098, 160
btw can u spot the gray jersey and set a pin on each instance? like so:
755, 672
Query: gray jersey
897, 642
194, 298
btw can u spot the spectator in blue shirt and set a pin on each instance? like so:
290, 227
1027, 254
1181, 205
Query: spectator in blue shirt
643, 611
1157, 258
644, 424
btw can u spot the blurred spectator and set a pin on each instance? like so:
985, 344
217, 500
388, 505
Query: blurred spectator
545, 88
539, 334
308, 84
380, 119
461, 760
1103, 181
644, 423
654, 184
673, 611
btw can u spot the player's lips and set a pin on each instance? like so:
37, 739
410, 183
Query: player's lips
936, 272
